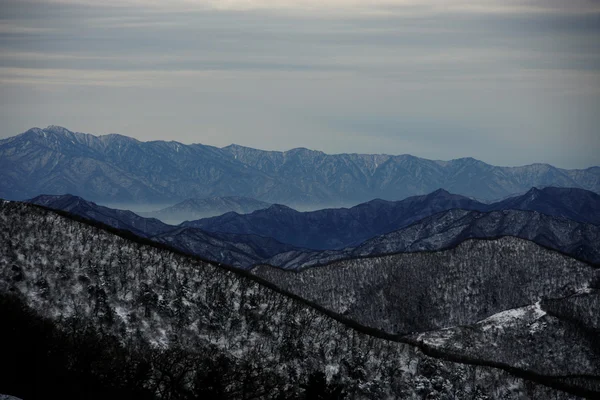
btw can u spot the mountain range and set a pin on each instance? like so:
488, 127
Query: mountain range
236, 249
331, 229
279, 236
419, 284
119, 169
143, 317
335, 228
449, 228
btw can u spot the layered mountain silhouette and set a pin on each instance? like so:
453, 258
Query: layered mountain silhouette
235, 249
339, 228
192, 209
576, 204
335, 228
116, 168
280, 236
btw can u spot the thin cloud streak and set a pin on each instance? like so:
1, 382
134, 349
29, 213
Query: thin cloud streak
409, 7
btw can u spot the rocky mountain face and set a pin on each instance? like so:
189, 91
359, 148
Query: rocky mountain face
115, 168
192, 209
449, 228
171, 326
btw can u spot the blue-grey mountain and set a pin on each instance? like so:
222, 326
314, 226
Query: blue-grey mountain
192, 209
449, 228
115, 168
336, 228
235, 249
120, 219
277, 236
576, 204
339, 228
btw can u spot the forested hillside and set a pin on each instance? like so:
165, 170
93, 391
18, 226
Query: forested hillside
176, 327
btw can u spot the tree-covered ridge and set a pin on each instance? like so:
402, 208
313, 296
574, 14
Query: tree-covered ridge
191, 319
415, 292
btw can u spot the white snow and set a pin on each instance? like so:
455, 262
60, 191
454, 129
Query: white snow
504, 318
120, 311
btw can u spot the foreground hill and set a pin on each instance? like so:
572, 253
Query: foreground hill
192, 209
449, 228
531, 335
115, 168
415, 292
484, 300
131, 317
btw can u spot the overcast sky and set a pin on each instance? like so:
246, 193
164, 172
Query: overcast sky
507, 82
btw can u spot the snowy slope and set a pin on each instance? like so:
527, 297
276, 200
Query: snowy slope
145, 294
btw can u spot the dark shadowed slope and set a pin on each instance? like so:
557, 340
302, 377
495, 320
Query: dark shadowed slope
192, 318
576, 204
234, 249
447, 229
331, 229
335, 228
192, 209
117, 168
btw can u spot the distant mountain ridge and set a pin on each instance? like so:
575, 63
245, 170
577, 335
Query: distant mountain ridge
192, 209
332, 229
335, 228
117, 168
449, 228
120, 219
576, 204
